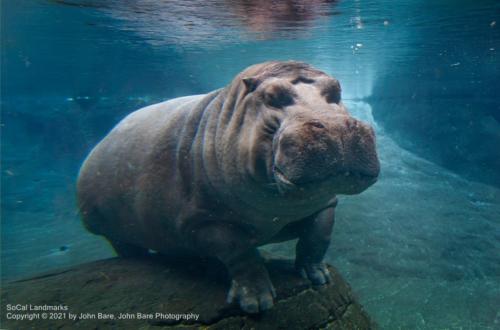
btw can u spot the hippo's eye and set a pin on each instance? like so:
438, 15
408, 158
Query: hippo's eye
302, 79
278, 96
331, 91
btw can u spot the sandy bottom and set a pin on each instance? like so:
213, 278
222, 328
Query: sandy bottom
420, 248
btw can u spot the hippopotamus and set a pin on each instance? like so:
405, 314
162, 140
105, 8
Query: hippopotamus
220, 174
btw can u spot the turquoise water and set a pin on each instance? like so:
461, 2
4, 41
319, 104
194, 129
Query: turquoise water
420, 248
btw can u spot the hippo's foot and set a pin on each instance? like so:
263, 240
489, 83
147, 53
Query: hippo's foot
317, 273
251, 286
254, 293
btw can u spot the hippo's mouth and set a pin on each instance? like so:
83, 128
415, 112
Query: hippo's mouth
281, 178
354, 177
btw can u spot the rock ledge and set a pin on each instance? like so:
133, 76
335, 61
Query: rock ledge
189, 287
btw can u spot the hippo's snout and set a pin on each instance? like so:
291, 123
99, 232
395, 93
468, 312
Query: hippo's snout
336, 148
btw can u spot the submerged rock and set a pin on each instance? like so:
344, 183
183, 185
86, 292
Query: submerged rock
154, 293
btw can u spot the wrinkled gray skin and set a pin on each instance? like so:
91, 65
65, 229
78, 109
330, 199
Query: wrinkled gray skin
220, 174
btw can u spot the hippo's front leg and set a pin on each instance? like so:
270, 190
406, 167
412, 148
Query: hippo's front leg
314, 239
251, 286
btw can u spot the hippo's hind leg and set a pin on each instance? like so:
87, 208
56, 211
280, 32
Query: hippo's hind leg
96, 223
314, 239
251, 286
127, 250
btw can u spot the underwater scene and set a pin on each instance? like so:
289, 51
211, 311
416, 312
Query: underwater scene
386, 112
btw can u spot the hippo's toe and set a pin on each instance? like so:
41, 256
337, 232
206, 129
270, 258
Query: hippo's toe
317, 273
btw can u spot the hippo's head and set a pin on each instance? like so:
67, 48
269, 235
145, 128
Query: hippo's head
307, 139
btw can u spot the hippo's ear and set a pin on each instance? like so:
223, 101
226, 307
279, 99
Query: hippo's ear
251, 83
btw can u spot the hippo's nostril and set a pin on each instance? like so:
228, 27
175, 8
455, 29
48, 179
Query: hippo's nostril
316, 124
